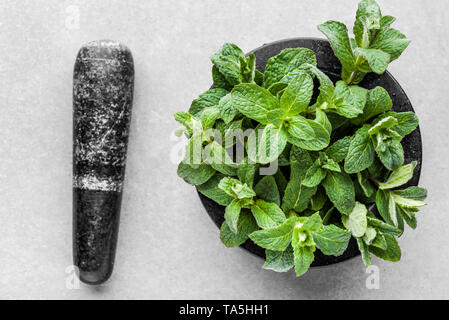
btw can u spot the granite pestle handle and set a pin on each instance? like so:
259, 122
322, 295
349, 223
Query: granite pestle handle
103, 84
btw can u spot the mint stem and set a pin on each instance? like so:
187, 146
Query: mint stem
376, 182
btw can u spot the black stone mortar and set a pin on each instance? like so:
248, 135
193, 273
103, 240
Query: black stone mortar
329, 63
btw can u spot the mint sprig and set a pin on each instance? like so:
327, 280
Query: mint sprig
334, 154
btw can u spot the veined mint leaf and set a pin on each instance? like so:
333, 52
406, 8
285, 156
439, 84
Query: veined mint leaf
208, 116
267, 214
296, 195
207, 99
379, 241
377, 59
258, 77
392, 253
405, 202
303, 259
220, 80
245, 226
296, 97
339, 149
232, 214
366, 186
192, 124
337, 33
277, 88
296, 136
278, 238
253, 101
227, 111
195, 176
383, 227
311, 223
406, 122
218, 158
326, 85
366, 257
340, 190
321, 118
390, 154
331, 240
318, 200
370, 235
378, 100
386, 207
415, 193
356, 221
235, 188
353, 99
279, 261
300, 128
267, 190
281, 182
385, 123
210, 189
229, 67
270, 142
392, 42
285, 66
399, 176
361, 151
314, 175
246, 172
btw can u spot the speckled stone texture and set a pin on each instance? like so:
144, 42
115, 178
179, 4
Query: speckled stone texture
329, 63
102, 100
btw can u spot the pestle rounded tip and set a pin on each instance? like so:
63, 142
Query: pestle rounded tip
105, 50
95, 277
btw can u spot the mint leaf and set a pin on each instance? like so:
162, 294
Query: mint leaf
385, 123
326, 85
377, 59
399, 177
379, 241
296, 97
266, 143
300, 128
297, 137
232, 213
277, 238
303, 259
392, 253
361, 152
235, 188
267, 214
314, 175
392, 42
227, 110
415, 193
331, 240
210, 189
406, 122
356, 221
340, 190
337, 33
390, 153
318, 200
280, 261
220, 80
353, 99
245, 226
339, 149
267, 190
195, 176
227, 61
246, 172
321, 118
285, 66
364, 251
253, 101
218, 158
207, 99
296, 195
383, 227
366, 186
386, 207
378, 101
405, 202
408, 214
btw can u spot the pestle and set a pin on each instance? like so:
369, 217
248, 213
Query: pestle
103, 84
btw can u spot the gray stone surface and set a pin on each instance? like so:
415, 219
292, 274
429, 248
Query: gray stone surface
168, 247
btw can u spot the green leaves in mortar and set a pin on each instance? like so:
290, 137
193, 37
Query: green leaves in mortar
297, 160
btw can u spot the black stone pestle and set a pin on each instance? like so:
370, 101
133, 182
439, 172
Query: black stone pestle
103, 84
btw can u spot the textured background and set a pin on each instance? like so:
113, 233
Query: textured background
168, 247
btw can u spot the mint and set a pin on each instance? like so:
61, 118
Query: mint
280, 261
361, 152
298, 160
277, 238
286, 66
